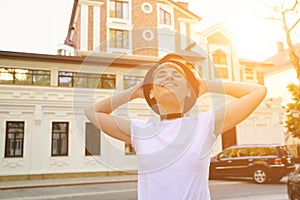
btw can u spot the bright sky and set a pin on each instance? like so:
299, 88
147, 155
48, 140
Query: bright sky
256, 37
39, 26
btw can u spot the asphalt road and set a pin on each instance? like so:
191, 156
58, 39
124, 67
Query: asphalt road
220, 189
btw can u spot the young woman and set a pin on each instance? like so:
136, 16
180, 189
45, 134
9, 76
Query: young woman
173, 152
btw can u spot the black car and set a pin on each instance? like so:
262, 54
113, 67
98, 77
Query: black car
262, 162
293, 185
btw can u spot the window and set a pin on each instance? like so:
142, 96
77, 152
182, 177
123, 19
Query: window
24, 76
222, 72
229, 153
14, 139
86, 80
119, 39
119, 9
92, 140
107, 81
129, 149
66, 79
262, 151
260, 77
60, 137
164, 17
219, 58
249, 73
130, 81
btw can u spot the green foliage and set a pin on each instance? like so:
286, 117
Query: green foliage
292, 123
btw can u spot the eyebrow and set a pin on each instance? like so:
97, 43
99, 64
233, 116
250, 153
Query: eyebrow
162, 71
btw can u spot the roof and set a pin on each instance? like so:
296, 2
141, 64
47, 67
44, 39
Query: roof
247, 61
280, 61
71, 28
183, 9
218, 27
92, 59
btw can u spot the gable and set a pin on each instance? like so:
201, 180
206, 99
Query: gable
219, 38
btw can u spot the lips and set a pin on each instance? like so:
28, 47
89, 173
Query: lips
168, 84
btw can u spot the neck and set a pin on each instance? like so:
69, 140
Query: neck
169, 108
171, 116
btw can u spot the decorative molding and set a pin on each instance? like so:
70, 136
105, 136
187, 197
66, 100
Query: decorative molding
148, 35
16, 94
90, 3
15, 112
91, 161
147, 7
59, 163
12, 163
187, 20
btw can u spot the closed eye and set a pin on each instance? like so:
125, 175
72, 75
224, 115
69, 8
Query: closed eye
161, 74
177, 74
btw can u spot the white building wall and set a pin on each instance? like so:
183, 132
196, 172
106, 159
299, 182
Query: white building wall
84, 27
166, 42
277, 84
38, 107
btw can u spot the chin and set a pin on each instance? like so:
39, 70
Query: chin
169, 100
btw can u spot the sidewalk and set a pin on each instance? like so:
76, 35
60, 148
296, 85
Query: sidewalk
9, 185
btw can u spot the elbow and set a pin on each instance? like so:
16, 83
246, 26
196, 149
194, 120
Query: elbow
260, 92
264, 91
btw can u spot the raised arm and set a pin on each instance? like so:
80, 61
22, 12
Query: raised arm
100, 113
247, 98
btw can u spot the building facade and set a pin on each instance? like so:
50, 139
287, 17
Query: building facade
110, 46
277, 79
130, 26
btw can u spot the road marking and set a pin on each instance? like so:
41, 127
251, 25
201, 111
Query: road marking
261, 197
216, 182
58, 196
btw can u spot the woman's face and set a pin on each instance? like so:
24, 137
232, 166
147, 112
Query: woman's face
169, 84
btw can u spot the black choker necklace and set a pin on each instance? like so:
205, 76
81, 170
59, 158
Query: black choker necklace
171, 116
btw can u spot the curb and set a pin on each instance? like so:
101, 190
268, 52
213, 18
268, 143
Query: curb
58, 183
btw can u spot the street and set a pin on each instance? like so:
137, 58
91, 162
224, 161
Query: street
220, 189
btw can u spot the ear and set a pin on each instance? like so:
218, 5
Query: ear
151, 95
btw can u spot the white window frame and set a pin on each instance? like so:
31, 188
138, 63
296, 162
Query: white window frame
168, 9
119, 50
116, 21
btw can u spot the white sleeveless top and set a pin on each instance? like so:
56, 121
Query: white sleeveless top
173, 157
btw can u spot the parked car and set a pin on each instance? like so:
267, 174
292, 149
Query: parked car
293, 185
262, 162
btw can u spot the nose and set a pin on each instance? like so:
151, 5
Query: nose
169, 76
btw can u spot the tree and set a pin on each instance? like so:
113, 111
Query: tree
292, 122
287, 12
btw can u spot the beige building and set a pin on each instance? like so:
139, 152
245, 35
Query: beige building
277, 79
282, 74
43, 130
